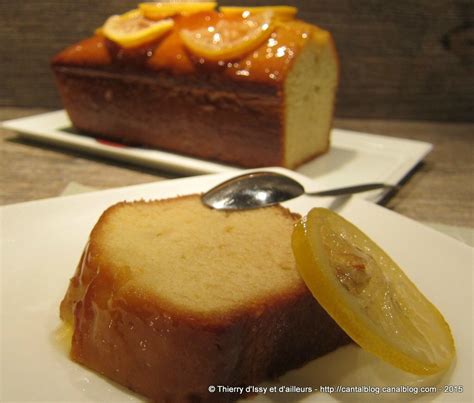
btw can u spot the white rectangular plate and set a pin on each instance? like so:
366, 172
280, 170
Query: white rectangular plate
41, 244
354, 157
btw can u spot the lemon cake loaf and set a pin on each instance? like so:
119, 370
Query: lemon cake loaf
249, 87
171, 297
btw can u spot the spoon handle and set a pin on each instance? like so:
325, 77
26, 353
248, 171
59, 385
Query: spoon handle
353, 189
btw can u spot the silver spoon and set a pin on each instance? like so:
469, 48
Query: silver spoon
260, 189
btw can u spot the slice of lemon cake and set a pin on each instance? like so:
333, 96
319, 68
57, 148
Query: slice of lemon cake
171, 297
250, 86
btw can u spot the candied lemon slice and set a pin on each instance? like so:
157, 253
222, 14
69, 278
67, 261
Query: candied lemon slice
133, 29
159, 10
281, 12
229, 38
369, 296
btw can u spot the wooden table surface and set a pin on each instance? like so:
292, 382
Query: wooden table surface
440, 190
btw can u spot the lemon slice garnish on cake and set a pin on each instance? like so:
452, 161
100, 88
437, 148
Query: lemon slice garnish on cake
159, 10
133, 29
280, 12
229, 38
369, 296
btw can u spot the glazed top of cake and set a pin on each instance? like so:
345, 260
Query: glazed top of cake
266, 63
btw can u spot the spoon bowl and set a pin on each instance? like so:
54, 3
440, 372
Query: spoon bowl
263, 188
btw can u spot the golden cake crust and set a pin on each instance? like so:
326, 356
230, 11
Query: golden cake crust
172, 353
162, 96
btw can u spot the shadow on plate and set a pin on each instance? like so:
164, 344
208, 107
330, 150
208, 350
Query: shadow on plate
335, 159
91, 157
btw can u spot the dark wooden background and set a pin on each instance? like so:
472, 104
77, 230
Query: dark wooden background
400, 59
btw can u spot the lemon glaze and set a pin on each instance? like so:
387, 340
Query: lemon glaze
268, 63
